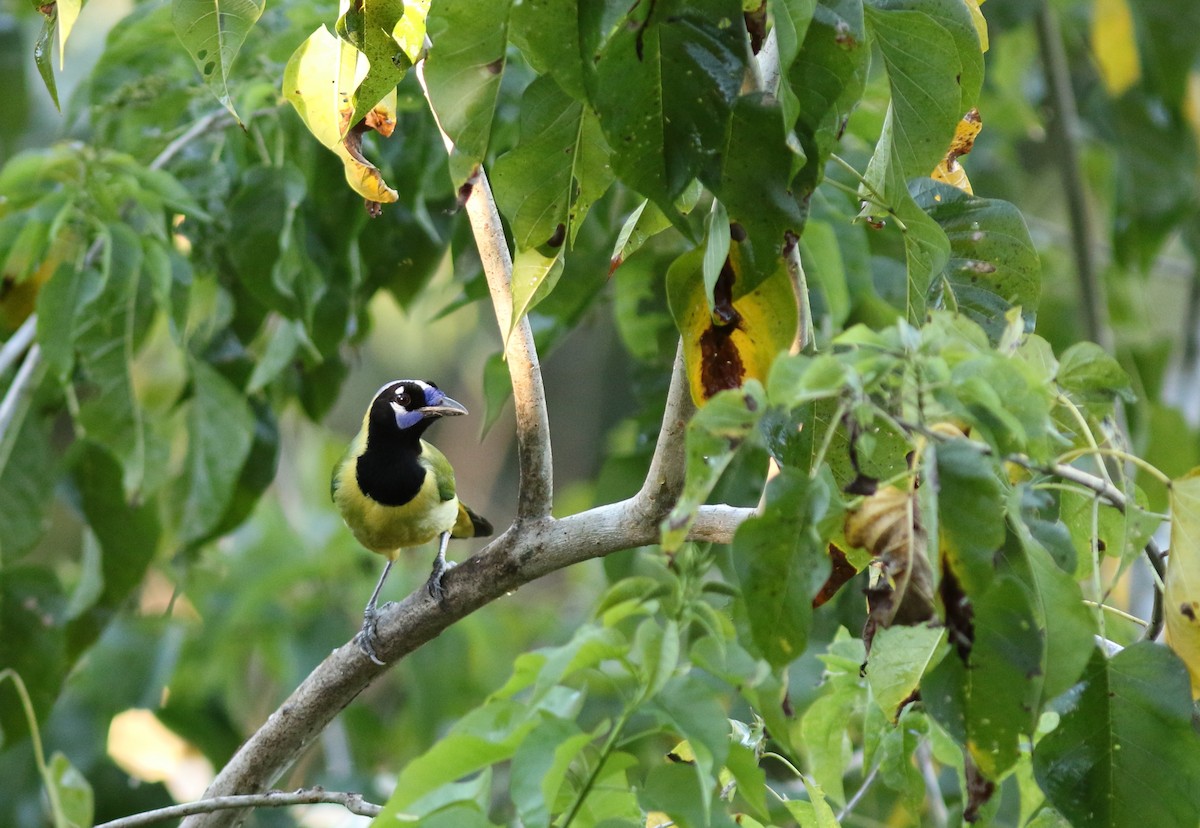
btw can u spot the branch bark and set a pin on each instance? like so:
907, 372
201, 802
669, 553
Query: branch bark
352, 802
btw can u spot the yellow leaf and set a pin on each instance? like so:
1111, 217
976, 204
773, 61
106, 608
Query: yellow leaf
657, 819
745, 330
318, 81
410, 28
980, 23
949, 170
1181, 596
1114, 45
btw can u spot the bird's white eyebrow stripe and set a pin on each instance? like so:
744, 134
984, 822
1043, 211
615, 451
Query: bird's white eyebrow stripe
424, 385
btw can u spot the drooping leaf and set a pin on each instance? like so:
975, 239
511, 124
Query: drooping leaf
1124, 752
758, 165
463, 71
826, 81
792, 19
781, 560
745, 329
213, 32
319, 81
987, 698
42, 49
1181, 596
970, 514
27, 480
899, 658
663, 78
127, 533
368, 26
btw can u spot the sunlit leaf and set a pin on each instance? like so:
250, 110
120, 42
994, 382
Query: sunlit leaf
368, 25
73, 793
1181, 597
213, 31
1115, 46
949, 170
68, 13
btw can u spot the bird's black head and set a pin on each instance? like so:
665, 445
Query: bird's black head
410, 406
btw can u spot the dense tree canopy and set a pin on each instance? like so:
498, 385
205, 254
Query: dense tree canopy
866, 331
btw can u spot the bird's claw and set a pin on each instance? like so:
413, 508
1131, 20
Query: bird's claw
434, 584
367, 637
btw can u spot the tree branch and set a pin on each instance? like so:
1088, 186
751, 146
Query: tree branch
536, 489
352, 802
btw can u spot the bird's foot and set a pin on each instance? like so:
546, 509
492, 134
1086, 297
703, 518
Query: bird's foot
367, 637
434, 584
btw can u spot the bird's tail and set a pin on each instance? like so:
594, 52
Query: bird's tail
469, 524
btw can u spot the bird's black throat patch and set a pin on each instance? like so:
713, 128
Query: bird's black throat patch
388, 470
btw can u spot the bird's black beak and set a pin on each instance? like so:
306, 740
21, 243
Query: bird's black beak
446, 408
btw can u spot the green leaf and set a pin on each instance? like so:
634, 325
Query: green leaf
713, 437
128, 534
1092, 376
758, 165
463, 71
1065, 623
112, 315
826, 78
663, 81
557, 170
792, 18
899, 658
26, 490
547, 33
935, 68
674, 790
42, 49
970, 513
72, 792
986, 693
264, 250
1125, 752
688, 706
540, 765
221, 430
213, 31
993, 265
368, 26
782, 560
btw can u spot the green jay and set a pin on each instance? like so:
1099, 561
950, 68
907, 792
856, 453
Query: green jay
395, 490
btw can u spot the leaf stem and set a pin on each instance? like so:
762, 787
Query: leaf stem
1120, 613
35, 736
1117, 454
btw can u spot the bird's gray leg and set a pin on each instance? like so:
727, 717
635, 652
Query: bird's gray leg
440, 565
366, 636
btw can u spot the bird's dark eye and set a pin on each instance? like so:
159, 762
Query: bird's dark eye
403, 399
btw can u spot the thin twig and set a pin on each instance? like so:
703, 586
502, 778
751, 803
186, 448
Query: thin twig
17, 398
352, 802
16, 344
858, 795
216, 119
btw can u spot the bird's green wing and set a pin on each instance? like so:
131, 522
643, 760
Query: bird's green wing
443, 472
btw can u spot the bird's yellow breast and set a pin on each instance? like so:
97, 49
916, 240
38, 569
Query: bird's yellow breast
388, 529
